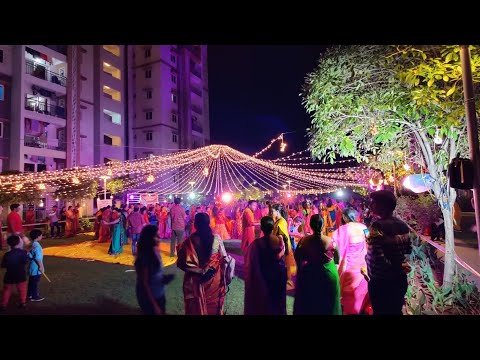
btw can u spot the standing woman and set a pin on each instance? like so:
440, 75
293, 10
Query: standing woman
351, 244
317, 291
69, 223
151, 281
281, 229
200, 257
117, 241
237, 224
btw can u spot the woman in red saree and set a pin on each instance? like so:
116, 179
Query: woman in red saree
105, 228
237, 229
199, 256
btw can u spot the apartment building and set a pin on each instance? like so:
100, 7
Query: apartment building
169, 92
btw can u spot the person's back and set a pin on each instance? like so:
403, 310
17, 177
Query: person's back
14, 261
356, 247
136, 221
177, 214
388, 245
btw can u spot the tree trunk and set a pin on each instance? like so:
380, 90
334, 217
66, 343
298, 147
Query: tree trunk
449, 269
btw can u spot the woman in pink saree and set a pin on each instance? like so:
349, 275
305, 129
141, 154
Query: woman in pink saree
352, 248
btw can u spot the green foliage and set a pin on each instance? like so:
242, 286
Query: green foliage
116, 186
425, 296
30, 197
80, 191
424, 209
86, 224
366, 98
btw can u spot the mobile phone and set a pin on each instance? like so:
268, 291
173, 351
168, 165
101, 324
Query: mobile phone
366, 232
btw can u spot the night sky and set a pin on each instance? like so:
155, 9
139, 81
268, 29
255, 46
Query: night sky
254, 95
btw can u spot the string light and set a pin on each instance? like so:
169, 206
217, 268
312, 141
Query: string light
279, 137
213, 169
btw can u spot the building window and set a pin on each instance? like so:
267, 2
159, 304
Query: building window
28, 167
173, 58
149, 94
174, 79
41, 167
149, 136
107, 140
149, 115
2, 92
174, 98
174, 138
1, 56
1, 129
148, 74
148, 52
174, 118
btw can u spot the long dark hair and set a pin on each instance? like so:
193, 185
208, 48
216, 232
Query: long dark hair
350, 214
316, 223
280, 208
267, 224
145, 245
204, 232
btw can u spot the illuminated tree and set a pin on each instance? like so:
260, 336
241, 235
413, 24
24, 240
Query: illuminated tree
116, 186
366, 100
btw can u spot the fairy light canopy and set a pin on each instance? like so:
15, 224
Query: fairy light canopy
210, 170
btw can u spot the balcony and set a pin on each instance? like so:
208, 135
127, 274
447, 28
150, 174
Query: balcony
196, 72
197, 109
38, 142
41, 72
42, 107
197, 127
196, 91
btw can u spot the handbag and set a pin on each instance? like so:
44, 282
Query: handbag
228, 265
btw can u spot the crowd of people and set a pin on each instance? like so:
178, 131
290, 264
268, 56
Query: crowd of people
335, 257
322, 251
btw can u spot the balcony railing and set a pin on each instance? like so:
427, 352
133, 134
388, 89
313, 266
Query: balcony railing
197, 109
36, 142
197, 127
196, 91
43, 108
196, 72
41, 72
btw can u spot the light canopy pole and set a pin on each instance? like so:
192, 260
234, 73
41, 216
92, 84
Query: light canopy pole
104, 178
472, 130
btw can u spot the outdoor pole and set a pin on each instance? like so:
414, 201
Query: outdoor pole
104, 189
394, 180
472, 130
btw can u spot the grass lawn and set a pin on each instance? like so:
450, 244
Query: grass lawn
81, 287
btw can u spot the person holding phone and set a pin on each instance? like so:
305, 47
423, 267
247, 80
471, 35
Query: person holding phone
151, 280
350, 240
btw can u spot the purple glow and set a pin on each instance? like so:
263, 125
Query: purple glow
131, 197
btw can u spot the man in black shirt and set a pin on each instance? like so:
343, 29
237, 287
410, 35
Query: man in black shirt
387, 246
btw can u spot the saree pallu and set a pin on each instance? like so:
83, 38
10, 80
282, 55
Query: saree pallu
205, 298
281, 228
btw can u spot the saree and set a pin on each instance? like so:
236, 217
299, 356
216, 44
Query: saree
248, 225
265, 280
69, 224
205, 298
352, 248
281, 228
105, 229
116, 244
317, 291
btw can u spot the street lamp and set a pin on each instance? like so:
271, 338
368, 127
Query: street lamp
104, 178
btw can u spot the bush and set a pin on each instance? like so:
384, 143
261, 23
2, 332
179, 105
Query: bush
85, 224
425, 295
418, 211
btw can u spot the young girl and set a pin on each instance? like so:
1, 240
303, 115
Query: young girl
15, 261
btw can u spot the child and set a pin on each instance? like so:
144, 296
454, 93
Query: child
36, 266
15, 261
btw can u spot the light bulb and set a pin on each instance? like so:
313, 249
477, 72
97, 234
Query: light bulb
406, 166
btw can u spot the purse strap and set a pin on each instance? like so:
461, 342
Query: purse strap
222, 248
